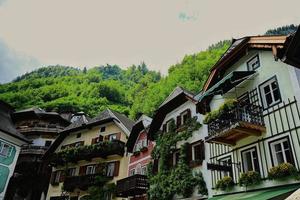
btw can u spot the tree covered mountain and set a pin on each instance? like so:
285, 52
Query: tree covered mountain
131, 91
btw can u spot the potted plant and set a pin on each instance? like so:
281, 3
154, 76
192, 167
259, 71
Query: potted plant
226, 183
136, 153
143, 149
282, 171
249, 178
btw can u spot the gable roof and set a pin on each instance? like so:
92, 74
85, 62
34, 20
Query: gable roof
141, 124
6, 124
83, 123
239, 47
177, 97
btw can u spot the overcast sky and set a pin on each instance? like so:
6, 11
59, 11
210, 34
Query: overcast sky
35, 33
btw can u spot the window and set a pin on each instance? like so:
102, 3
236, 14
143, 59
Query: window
225, 162
184, 116
270, 93
138, 169
253, 63
112, 137
102, 129
144, 143
5, 150
144, 170
110, 169
170, 124
78, 135
71, 172
132, 172
281, 152
197, 152
250, 160
176, 158
48, 143
90, 169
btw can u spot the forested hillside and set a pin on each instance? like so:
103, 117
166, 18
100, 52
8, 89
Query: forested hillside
132, 91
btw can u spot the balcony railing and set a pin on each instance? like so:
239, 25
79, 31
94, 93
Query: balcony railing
101, 149
236, 124
31, 149
84, 182
132, 186
48, 128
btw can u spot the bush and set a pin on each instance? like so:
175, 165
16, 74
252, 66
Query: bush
284, 170
249, 178
225, 183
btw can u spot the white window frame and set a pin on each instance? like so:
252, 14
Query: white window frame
250, 62
273, 152
193, 150
144, 170
57, 176
73, 171
268, 83
112, 137
132, 172
168, 123
5, 150
110, 169
182, 116
251, 150
90, 169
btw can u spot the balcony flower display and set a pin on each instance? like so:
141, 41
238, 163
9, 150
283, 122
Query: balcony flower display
249, 178
282, 171
225, 183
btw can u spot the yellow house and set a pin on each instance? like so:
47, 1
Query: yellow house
89, 152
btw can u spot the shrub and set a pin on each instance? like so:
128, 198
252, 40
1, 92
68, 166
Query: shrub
249, 178
225, 183
281, 171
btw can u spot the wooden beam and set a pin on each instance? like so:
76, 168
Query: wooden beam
248, 131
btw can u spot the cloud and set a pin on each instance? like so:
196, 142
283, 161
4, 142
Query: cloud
13, 64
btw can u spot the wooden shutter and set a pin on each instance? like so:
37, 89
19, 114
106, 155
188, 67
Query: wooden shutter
100, 138
62, 176
118, 135
52, 179
117, 166
155, 166
82, 170
189, 153
202, 148
165, 128
189, 115
178, 121
94, 140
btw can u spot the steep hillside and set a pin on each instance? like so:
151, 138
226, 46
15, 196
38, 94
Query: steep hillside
132, 91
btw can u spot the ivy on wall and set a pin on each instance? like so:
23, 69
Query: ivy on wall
179, 179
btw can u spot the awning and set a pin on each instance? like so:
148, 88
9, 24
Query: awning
260, 194
227, 83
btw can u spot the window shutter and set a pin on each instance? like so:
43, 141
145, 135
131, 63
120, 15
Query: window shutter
62, 176
189, 153
117, 166
106, 138
178, 121
189, 115
165, 128
118, 136
52, 179
94, 140
82, 170
202, 151
100, 138
155, 166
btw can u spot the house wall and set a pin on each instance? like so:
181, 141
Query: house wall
144, 157
7, 164
87, 136
281, 120
198, 135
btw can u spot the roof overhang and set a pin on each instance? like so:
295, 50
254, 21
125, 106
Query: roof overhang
136, 129
292, 53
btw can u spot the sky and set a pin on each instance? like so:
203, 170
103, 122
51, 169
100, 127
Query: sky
87, 33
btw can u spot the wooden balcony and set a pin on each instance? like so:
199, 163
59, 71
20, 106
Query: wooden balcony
33, 150
236, 124
84, 182
98, 150
132, 186
39, 128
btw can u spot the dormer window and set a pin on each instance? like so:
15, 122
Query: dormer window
253, 63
